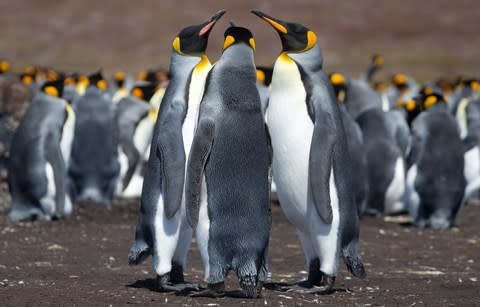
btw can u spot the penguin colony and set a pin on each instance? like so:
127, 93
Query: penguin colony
202, 145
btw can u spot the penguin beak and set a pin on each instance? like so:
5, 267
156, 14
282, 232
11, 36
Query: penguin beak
275, 23
209, 24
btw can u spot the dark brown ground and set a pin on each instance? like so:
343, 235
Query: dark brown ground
83, 261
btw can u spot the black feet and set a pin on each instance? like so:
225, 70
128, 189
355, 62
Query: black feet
213, 290
174, 281
323, 285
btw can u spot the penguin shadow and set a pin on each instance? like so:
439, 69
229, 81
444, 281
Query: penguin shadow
287, 287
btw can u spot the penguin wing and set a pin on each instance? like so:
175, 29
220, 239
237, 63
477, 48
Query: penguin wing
54, 156
199, 153
320, 164
172, 166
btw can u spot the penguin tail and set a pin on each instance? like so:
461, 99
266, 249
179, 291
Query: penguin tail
138, 253
353, 260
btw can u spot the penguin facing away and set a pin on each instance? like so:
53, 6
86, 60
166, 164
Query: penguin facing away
94, 168
227, 188
162, 230
436, 178
311, 162
39, 158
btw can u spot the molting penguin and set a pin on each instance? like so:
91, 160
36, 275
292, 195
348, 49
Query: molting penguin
39, 158
135, 120
311, 162
94, 166
227, 188
162, 230
435, 179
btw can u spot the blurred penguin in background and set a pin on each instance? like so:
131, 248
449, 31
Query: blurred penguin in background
94, 166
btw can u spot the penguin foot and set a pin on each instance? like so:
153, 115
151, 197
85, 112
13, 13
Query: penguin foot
213, 291
324, 286
176, 274
248, 290
164, 284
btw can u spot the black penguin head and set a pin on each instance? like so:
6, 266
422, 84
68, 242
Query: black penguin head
264, 75
400, 81
53, 88
294, 36
429, 100
119, 78
237, 35
96, 79
4, 66
471, 83
193, 40
144, 91
339, 84
412, 107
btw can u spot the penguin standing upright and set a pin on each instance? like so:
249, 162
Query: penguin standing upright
227, 188
39, 158
436, 177
311, 162
162, 230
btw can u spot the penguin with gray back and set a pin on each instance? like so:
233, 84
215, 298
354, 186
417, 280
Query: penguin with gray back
436, 177
162, 230
311, 163
94, 166
227, 188
354, 138
39, 158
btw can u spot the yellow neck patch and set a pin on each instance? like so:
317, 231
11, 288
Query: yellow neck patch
400, 79
136, 92
102, 84
260, 76
176, 45
430, 101
276, 25
119, 76
337, 79
410, 105
69, 81
378, 62
51, 90
27, 80
229, 40
251, 41
4, 66
285, 58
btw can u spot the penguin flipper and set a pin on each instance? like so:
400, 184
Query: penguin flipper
133, 157
55, 158
199, 153
172, 161
320, 164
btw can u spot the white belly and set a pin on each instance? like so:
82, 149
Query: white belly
291, 132
413, 199
203, 228
67, 135
143, 134
394, 195
48, 200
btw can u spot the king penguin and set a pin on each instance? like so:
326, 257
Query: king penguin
162, 230
311, 162
435, 180
40, 155
227, 188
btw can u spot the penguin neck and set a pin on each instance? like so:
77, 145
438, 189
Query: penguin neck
311, 60
182, 65
239, 54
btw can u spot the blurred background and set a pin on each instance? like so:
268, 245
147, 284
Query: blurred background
427, 39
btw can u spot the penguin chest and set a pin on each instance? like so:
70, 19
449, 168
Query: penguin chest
195, 94
67, 135
291, 131
143, 134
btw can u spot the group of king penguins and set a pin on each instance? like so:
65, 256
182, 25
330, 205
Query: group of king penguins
204, 144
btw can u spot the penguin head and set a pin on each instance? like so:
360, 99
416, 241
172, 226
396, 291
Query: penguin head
27, 78
71, 79
377, 60
97, 80
119, 78
339, 84
445, 85
380, 86
143, 91
53, 88
400, 81
4, 66
429, 100
472, 83
193, 40
264, 75
296, 38
238, 35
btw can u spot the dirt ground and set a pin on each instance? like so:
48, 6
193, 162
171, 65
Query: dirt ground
83, 261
